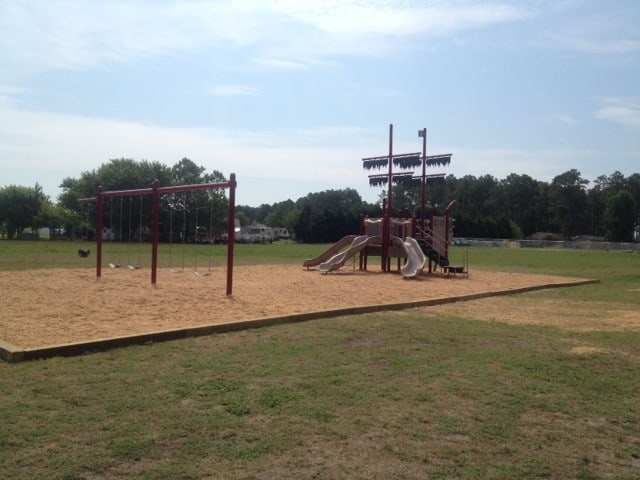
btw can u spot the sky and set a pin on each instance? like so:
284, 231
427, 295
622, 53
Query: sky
291, 95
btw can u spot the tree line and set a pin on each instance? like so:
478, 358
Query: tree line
514, 207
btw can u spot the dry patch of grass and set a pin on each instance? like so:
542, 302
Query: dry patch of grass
532, 309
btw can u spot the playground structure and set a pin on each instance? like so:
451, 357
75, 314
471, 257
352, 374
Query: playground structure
404, 239
416, 241
156, 191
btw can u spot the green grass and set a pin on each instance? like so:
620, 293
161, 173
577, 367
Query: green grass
387, 395
619, 272
21, 255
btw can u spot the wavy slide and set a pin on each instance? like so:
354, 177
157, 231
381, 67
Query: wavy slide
333, 258
415, 258
358, 244
330, 252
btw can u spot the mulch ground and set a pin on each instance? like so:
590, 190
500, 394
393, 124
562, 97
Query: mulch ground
41, 308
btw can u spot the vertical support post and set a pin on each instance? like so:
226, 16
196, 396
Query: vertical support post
423, 133
362, 252
155, 231
386, 238
231, 232
431, 227
390, 167
447, 235
447, 225
99, 226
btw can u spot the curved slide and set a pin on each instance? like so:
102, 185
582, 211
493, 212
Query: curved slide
330, 252
415, 258
358, 244
331, 260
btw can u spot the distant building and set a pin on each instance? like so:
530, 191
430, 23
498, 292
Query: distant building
259, 233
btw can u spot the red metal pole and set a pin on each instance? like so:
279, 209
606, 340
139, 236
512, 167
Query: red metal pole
424, 173
231, 231
363, 231
99, 212
390, 167
385, 242
155, 235
431, 229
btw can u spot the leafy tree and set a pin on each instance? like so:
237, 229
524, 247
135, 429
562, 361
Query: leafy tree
569, 202
620, 217
327, 216
51, 216
633, 186
290, 219
519, 196
186, 172
19, 207
278, 213
128, 217
598, 196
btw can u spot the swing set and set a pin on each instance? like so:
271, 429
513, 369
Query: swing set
118, 235
201, 234
156, 191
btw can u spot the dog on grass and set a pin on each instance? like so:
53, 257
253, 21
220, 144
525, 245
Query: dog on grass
84, 253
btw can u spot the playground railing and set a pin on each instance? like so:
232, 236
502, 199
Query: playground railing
437, 242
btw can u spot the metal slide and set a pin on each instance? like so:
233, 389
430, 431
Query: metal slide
330, 252
358, 244
415, 258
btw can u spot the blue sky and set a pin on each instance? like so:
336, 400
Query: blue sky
291, 95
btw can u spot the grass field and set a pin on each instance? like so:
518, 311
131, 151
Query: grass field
412, 394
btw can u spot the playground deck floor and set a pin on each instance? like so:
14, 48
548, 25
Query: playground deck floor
49, 310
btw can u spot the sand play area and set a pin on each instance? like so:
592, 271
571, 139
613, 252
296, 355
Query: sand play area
43, 308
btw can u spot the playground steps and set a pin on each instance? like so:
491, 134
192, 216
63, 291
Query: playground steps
428, 250
455, 270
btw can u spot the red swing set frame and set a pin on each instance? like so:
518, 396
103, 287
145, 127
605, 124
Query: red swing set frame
156, 191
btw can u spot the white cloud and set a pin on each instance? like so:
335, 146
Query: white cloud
45, 147
365, 18
603, 46
280, 63
610, 30
73, 34
232, 90
334, 29
271, 165
40, 35
565, 119
624, 111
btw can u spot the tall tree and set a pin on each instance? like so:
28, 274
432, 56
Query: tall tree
620, 217
519, 197
633, 186
125, 217
327, 216
569, 202
19, 208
